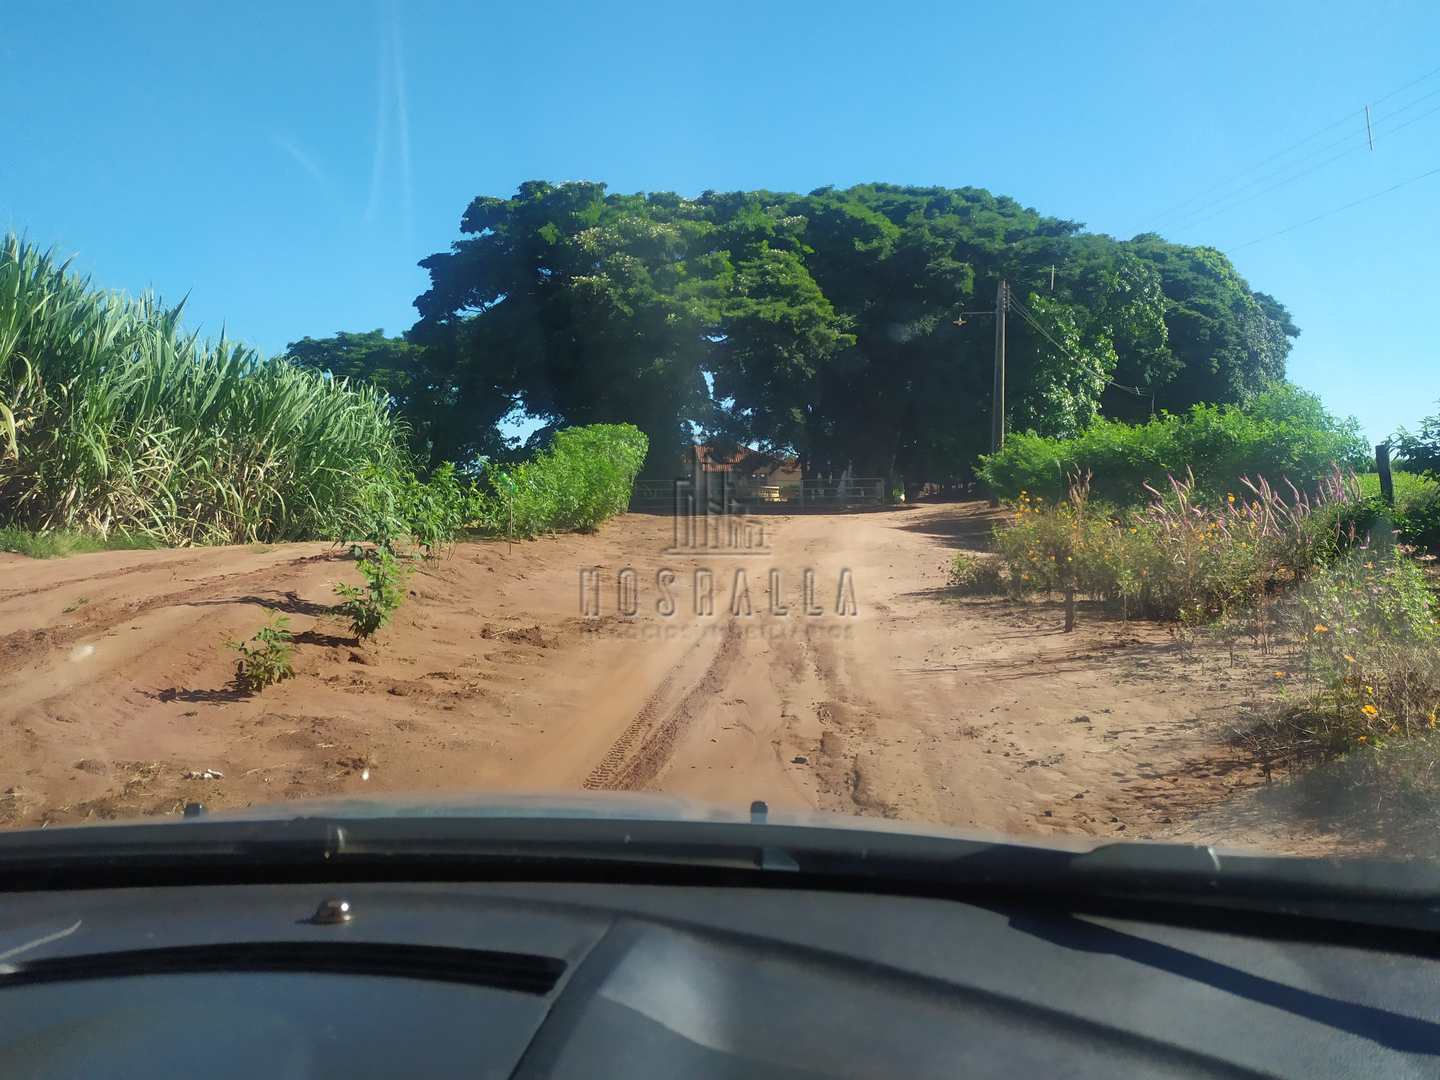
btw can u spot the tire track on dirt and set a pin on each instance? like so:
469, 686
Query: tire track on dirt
644, 747
7, 595
23, 646
848, 726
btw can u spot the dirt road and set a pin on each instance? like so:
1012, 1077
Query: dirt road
867, 689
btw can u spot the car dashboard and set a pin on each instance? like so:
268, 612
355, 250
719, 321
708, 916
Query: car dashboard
509, 979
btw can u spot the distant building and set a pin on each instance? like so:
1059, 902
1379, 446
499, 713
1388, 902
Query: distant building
745, 472
743, 464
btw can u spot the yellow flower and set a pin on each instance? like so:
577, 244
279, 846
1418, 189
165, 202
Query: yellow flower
1370, 710
1349, 659
1279, 674
1430, 721
1370, 690
1361, 739
1321, 628
1230, 499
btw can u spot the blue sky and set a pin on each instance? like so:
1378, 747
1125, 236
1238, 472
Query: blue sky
287, 164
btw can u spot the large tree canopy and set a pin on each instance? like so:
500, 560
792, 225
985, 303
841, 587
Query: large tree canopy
828, 324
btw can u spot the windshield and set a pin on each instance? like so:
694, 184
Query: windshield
1021, 422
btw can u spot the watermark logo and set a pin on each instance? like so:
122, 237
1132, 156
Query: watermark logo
708, 518
674, 595
695, 595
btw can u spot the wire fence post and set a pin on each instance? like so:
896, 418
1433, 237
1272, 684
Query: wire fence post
1387, 481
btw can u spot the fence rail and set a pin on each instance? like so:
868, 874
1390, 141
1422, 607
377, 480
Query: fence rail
668, 494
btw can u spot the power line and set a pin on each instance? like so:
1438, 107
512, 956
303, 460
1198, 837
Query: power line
1413, 119
1295, 146
1190, 219
1162, 215
1336, 210
1355, 146
1026, 314
1407, 86
1225, 209
1128, 389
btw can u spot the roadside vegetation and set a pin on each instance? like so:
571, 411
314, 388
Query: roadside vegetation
1415, 517
112, 418
1321, 573
266, 658
583, 477
1355, 726
58, 543
117, 428
370, 607
1180, 556
1284, 434
825, 324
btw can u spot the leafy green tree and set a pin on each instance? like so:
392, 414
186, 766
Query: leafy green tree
393, 364
581, 309
829, 324
1124, 299
1230, 343
1068, 367
776, 334
1420, 450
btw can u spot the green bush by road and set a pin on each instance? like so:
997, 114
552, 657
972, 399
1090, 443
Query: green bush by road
1285, 434
582, 478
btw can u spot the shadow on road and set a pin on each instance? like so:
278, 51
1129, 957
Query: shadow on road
289, 603
966, 526
229, 693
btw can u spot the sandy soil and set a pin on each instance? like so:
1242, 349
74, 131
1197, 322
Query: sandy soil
114, 685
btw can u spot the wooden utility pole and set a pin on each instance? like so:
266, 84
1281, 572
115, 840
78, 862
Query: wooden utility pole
1382, 466
997, 399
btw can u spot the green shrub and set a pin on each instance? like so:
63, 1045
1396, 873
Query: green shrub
392, 508
585, 476
976, 575
434, 511
1285, 434
369, 608
266, 658
1419, 523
